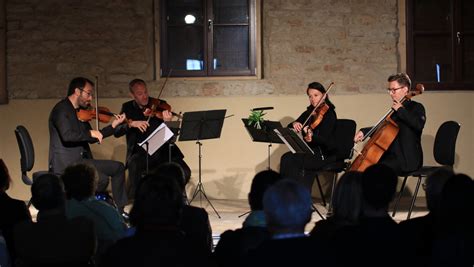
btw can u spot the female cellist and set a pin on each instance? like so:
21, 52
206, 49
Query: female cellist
318, 132
404, 153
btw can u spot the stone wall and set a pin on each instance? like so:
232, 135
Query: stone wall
350, 42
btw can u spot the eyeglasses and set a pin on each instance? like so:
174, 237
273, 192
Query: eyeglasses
88, 94
394, 90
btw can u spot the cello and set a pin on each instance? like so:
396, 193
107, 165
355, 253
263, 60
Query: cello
381, 136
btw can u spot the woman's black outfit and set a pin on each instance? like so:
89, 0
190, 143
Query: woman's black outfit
303, 167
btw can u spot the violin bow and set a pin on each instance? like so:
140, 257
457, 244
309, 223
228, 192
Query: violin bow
159, 95
96, 102
319, 103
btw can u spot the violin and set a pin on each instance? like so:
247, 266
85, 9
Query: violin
319, 115
156, 107
86, 115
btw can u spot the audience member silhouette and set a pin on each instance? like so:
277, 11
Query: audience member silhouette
376, 240
80, 182
158, 240
234, 244
13, 211
53, 240
288, 206
453, 243
194, 220
418, 232
346, 206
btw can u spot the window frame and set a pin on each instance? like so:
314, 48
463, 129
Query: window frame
456, 54
255, 64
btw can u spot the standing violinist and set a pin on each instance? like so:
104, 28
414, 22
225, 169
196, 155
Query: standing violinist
318, 134
140, 126
405, 153
69, 140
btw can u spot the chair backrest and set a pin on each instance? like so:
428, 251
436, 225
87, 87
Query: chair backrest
27, 152
345, 131
444, 149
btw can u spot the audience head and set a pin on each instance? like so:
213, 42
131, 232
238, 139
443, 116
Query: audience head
80, 181
434, 186
287, 207
379, 183
5, 178
347, 200
47, 192
456, 204
260, 183
172, 170
158, 202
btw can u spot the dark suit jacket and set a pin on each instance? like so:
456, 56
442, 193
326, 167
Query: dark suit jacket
12, 212
69, 138
406, 148
134, 136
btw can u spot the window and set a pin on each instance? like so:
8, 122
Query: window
208, 38
440, 43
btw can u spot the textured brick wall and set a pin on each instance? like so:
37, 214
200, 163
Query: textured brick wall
350, 42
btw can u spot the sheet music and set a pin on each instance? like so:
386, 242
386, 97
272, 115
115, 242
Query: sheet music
157, 138
293, 141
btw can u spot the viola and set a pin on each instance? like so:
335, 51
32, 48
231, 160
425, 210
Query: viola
88, 114
156, 108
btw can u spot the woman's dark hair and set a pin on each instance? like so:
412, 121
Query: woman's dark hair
320, 88
5, 178
80, 181
158, 202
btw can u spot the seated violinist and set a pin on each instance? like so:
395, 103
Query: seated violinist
318, 132
69, 139
404, 153
145, 114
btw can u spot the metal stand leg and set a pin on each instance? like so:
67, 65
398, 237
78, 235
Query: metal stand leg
399, 196
200, 187
317, 211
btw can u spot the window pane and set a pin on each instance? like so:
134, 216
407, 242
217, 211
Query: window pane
433, 60
467, 15
468, 58
185, 48
231, 49
432, 15
177, 10
230, 11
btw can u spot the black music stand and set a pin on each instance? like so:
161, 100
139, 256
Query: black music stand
200, 125
265, 135
296, 144
175, 128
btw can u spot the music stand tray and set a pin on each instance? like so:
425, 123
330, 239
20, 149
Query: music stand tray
264, 135
294, 142
200, 125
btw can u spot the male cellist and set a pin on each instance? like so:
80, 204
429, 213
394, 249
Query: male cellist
405, 153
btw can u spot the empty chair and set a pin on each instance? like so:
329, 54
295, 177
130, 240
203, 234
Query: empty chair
444, 151
27, 153
345, 131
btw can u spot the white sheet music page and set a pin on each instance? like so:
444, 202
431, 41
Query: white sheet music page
157, 138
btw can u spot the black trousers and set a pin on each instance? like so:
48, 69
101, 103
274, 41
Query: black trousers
302, 168
114, 170
137, 167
